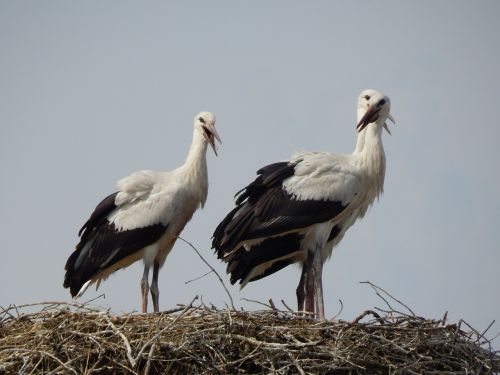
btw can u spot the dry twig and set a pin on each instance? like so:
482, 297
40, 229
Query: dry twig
64, 338
212, 269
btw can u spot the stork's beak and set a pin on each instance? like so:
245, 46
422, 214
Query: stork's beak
210, 134
370, 116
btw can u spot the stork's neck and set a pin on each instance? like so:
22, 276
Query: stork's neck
369, 154
197, 150
360, 142
196, 160
195, 167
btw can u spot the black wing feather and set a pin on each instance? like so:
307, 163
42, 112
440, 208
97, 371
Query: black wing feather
243, 261
101, 212
106, 245
264, 208
268, 176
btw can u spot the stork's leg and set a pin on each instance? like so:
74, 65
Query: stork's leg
155, 292
309, 284
317, 274
145, 289
301, 292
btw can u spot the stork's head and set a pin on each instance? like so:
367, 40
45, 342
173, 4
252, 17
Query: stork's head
373, 107
204, 122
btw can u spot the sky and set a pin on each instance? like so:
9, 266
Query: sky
93, 91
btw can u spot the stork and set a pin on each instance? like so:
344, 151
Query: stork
142, 219
298, 210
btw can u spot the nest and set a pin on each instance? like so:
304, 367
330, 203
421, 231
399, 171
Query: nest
194, 338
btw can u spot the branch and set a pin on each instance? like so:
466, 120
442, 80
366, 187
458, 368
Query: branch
213, 270
165, 328
125, 341
368, 312
199, 277
377, 288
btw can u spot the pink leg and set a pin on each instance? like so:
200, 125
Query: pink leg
309, 285
145, 289
155, 292
317, 275
301, 293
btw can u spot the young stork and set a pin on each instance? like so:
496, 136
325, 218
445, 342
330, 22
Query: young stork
142, 219
298, 210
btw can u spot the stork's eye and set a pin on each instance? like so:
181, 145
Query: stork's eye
381, 103
202, 120
367, 97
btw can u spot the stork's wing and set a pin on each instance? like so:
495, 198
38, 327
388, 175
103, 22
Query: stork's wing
137, 186
131, 190
121, 225
285, 196
100, 213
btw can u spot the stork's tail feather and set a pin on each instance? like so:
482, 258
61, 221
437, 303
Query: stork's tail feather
73, 279
74, 284
219, 238
265, 258
233, 228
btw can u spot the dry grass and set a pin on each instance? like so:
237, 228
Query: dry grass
61, 338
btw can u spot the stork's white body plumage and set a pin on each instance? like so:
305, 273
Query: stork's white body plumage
143, 218
297, 211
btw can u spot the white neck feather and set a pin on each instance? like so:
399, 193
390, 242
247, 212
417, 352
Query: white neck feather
195, 166
370, 156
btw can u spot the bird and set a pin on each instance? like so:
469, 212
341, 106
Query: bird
142, 219
297, 211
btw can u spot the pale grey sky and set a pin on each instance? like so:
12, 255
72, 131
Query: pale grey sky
93, 91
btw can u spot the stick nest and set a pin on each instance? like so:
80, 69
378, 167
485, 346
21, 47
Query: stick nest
79, 339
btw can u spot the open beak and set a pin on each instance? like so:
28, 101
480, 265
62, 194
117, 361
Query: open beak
385, 123
370, 116
210, 134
